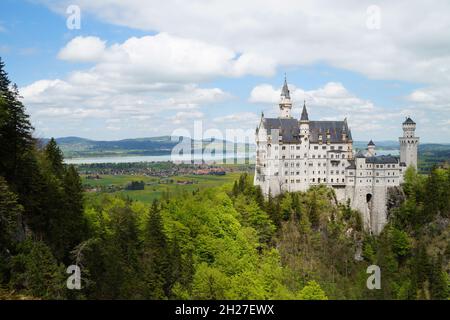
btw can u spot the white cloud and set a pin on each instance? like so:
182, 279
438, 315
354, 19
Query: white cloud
411, 43
248, 118
333, 96
83, 49
183, 116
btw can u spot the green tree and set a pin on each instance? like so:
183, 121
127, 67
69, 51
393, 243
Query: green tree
312, 291
55, 157
156, 257
36, 272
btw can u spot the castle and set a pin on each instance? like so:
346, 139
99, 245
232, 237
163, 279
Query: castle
292, 155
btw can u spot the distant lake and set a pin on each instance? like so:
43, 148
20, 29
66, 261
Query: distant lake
163, 158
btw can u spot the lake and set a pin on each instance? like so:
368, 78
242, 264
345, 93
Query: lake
197, 157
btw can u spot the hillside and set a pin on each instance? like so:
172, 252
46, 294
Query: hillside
75, 147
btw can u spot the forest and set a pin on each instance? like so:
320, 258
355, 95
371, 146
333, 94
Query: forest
226, 242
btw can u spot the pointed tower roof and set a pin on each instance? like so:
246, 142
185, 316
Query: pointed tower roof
285, 90
371, 143
304, 116
409, 121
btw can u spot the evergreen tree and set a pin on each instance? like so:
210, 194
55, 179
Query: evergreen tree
156, 256
10, 215
55, 157
15, 131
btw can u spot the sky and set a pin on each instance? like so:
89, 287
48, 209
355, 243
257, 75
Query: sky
128, 69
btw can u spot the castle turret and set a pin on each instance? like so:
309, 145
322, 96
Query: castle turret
409, 143
371, 149
285, 101
304, 121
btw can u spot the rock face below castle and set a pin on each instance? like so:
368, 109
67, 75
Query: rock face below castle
294, 154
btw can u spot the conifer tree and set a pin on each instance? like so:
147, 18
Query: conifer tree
156, 256
15, 130
55, 157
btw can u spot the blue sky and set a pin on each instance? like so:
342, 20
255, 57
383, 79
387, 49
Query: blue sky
140, 69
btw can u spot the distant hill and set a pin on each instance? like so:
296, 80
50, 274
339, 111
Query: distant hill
75, 147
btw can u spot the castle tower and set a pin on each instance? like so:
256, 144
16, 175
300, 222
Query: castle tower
304, 121
409, 143
371, 149
285, 101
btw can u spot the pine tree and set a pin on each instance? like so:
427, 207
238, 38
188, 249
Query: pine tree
55, 157
15, 131
156, 256
10, 215
73, 225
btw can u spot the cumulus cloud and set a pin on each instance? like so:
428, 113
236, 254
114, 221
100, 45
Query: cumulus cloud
246, 118
411, 42
332, 95
83, 49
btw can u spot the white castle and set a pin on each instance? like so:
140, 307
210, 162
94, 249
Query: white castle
292, 155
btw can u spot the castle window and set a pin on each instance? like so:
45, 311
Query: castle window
313, 180
332, 156
324, 147
316, 147
340, 147
343, 156
378, 180
331, 179
283, 148
343, 180
298, 147
332, 147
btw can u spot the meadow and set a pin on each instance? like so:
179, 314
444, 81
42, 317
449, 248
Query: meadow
155, 187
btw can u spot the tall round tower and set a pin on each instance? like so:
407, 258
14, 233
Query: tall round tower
285, 101
409, 143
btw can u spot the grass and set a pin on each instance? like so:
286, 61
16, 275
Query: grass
156, 190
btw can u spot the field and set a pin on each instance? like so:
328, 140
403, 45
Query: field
154, 187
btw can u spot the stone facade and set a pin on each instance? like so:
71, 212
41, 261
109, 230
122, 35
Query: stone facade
294, 154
